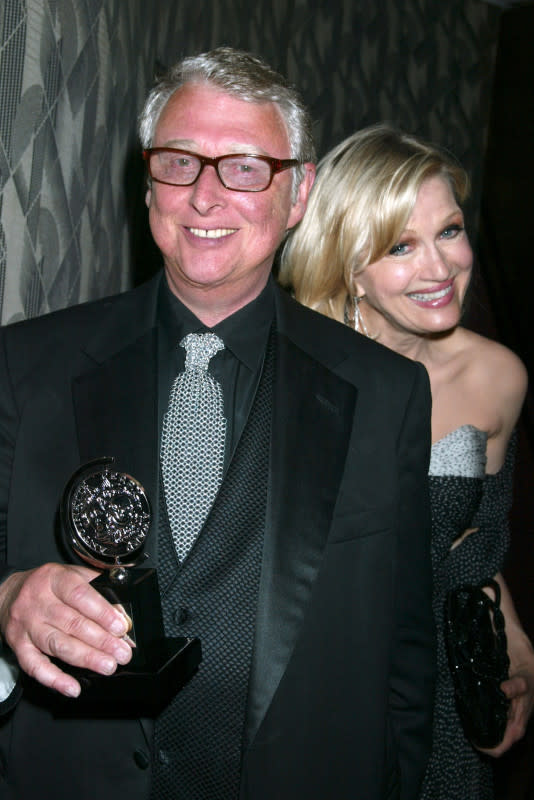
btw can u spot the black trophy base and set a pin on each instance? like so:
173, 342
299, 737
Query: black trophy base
135, 690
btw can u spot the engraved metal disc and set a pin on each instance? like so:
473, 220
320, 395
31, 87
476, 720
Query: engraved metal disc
108, 517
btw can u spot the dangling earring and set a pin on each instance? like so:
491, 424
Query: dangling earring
359, 322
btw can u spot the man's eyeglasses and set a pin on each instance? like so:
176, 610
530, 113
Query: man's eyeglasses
241, 172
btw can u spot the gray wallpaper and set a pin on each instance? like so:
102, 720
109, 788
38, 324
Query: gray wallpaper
74, 73
72, 76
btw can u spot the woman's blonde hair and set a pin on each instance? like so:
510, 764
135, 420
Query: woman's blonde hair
361, 201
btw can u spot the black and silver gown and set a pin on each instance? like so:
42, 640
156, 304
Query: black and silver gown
462, 497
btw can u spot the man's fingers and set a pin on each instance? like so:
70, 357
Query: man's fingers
78, 626
33, 658
53, 611
81, 596
78, 640
39, 667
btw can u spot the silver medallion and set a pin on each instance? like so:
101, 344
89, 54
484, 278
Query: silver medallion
108, 516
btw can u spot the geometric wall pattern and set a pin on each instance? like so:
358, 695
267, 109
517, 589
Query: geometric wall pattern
68, 93
74, 74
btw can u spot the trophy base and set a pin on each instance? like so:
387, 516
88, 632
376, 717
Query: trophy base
135, 690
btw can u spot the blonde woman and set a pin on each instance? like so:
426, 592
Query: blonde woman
383, 248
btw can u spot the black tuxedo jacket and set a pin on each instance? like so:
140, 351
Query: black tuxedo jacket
341, 683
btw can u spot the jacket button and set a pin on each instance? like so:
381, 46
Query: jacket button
141, 759
181, 615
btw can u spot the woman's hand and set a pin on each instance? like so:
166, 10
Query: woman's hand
519, 688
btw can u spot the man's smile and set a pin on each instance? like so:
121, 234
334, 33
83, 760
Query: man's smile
212, 233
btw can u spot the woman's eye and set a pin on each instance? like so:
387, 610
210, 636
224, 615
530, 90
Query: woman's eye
451, 231
399, 249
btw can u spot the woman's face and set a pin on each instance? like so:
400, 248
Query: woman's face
419, 286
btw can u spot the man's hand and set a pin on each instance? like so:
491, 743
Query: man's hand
53, 611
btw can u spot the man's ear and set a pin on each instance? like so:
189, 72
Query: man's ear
148, 197
299, 206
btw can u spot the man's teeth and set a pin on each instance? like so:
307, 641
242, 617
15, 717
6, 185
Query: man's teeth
428, 296
214, 233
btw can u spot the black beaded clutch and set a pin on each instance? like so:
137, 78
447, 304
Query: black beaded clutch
476, 646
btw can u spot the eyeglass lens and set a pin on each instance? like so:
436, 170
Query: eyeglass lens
236, 172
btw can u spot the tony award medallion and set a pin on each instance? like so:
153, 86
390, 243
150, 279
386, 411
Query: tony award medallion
105, 519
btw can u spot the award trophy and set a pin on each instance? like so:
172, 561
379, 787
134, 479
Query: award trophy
105, 519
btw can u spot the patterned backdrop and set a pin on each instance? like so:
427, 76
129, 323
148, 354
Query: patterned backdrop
73, 75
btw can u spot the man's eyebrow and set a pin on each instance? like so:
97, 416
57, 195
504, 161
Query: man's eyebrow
189, 144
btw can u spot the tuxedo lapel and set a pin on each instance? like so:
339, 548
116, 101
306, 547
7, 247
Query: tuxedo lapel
115, 396
116, 403
312, 422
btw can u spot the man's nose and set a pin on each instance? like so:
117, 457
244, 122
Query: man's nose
207, 191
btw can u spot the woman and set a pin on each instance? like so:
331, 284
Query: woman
383, 248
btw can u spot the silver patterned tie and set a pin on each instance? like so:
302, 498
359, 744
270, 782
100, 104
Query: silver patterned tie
192, 442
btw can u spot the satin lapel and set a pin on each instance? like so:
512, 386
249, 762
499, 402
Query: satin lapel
115, 398
312, 421
115, 406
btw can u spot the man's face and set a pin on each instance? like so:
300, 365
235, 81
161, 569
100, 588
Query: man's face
218, 245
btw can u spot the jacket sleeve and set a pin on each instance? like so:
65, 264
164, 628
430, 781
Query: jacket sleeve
8, 427
413, 656
9, 670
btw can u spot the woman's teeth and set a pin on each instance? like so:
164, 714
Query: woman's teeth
429, 296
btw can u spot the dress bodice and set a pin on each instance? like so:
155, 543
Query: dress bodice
457, 471
461, 452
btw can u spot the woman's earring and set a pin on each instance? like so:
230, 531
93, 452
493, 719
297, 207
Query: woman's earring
359, 322
357, 315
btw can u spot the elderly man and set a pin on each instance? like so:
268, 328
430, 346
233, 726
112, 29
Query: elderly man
290, 527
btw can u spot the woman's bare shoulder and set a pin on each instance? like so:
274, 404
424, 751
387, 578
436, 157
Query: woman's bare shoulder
493, 365
496, 381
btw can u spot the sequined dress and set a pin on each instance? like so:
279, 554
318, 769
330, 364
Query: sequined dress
462, 497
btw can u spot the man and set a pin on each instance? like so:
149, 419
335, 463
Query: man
307, 578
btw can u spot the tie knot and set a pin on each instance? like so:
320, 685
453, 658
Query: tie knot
199, 348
